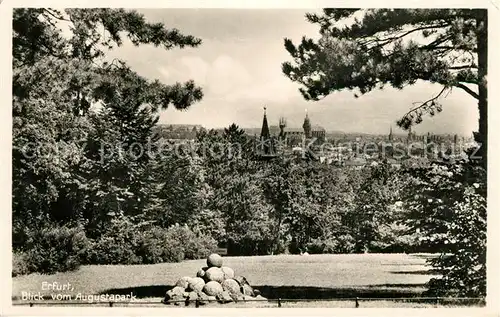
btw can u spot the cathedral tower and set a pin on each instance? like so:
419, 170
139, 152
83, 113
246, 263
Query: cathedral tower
307, 126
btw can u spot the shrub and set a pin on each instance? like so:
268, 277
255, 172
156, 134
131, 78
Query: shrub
315, 246
108, 250
117, 245
151, 245
395, 238
346, 243
156, 245
254, 245
340, 244
53, 249
173, 251
19, 264
174, 244
194, 246
126, 243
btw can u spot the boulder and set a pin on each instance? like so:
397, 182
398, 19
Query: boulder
228, 272
211, 299
175, 294
212, 288
247, 290
214, 274
183, 282
202, 298
241, 280
214, 260
196, 284
235, 297
205, 299
231, 286
177, 290
192, 296
201, 272
224, 297
239, 297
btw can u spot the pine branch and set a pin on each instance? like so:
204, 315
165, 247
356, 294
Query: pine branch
468, 90
463, 67
427, 106
388, 40
436, 42
55, 16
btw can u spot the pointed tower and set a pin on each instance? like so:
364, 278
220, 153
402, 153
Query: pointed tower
264, 132
307, 126
390, 134
266, 148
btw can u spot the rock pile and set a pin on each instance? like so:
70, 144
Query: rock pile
213, 283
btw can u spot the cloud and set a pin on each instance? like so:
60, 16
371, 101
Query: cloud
227, 75
222, 77
197, 68
271, 91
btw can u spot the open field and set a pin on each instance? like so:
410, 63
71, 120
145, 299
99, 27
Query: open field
322, 277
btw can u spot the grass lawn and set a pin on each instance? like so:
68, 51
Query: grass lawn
322, 277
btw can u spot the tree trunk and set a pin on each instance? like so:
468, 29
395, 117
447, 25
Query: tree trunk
482, 47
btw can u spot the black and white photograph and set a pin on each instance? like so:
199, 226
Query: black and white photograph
316, 157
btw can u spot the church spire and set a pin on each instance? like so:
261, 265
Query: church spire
264, 133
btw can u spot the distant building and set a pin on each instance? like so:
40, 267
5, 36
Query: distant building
308, 131
266, 145
293, 132
273, 138
177, 131
318, 133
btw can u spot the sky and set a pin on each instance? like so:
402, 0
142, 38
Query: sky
238, 65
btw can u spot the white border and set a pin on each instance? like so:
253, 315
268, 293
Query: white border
493, 297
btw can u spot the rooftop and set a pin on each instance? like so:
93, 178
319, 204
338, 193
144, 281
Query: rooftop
294, 130
317, 128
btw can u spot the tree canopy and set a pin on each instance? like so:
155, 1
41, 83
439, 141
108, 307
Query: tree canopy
366, 49
59, 139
